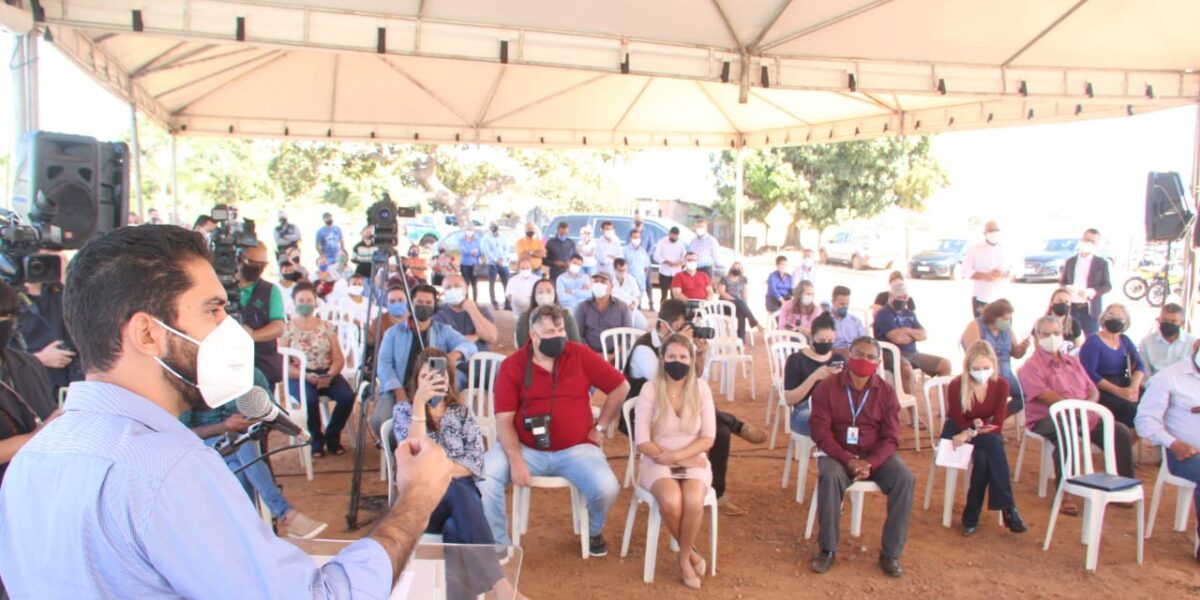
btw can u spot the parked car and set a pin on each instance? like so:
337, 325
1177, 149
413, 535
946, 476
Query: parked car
654, 229
421, 232
451, 242
945, 260
861, 249
1047, 263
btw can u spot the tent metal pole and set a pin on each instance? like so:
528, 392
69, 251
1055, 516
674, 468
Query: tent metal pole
175, 184
1189, 253
136, 163
739, 199
17, 65
32, 94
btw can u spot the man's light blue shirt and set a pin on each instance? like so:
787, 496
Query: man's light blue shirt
846, 330
573, 289
392, 369
495, 249
117, 499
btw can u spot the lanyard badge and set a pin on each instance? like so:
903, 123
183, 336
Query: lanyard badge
852, 430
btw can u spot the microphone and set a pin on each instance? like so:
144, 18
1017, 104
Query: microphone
256, 404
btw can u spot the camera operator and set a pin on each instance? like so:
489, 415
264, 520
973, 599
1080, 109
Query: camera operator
674, 317
262, 312
544, 423
40, 323
25, 394
151, 511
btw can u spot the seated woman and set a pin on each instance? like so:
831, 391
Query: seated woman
994, 326
1112, 361
798, 314
674, 428
809, 367
976, 406
317, 339
1060, 308
732, 288
437, 410
545, 292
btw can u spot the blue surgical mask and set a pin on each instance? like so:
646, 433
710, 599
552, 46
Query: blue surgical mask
842, 311
397, 309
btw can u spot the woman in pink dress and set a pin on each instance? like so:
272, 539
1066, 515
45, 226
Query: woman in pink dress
798, 314
675, 425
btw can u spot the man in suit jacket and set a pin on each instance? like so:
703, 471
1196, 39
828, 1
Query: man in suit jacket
1088, 272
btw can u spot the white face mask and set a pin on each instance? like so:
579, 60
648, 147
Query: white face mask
981, 375
545, 298
610, 234
455, 295
806, 263
355, 290
1051, 344
599, 290
1086, 248
806, 300
224, 364
525, 272
635, 242
574, 269
992, 237
691, 265
700, 231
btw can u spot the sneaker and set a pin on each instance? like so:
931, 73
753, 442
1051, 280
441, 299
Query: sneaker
597, 546
728, 508
303, 527
752, 433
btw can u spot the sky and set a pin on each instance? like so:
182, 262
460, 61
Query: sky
1038, 181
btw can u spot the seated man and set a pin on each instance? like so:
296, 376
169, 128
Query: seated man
1168, 344
643, 367
898, 324
600, 313
573, 286
520, 287
847, 327
400, 347
855, 422
1169, 416
1051, 375
464, 315
545, 426
691, 283
212, 425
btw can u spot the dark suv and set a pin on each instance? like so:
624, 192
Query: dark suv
654, 229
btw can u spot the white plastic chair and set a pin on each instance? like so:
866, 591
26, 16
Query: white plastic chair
297, 408
1183, 499
482, 370
727, 352
857, 491
777, 355
776, 336
800, 450
1079, 478
907, 401
941, 384
1046, 461
389, 460
579, 511
643, 496
617, 344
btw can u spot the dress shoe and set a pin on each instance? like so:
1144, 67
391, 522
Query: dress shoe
1013, 521
823, 562
728, 508
752, 433
890, 566
969, 530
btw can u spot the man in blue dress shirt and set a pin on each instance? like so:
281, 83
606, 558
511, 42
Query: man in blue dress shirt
117, 499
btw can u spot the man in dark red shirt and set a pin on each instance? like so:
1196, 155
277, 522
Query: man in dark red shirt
691, 283
856, 423
545, 426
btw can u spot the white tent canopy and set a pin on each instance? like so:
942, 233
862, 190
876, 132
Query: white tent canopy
713, 73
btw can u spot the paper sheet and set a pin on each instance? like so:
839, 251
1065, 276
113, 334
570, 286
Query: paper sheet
955, 458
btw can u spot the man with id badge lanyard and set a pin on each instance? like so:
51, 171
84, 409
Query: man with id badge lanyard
856, 422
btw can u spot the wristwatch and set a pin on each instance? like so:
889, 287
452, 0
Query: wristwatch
601, 428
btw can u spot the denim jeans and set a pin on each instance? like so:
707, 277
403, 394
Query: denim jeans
585, 466
493, 271
800, 415
1188, 469
342, 394
256, 478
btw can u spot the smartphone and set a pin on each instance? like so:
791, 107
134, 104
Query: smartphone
437, 364
988, 429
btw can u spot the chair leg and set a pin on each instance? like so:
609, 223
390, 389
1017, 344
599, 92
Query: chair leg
856, 510
1154, 502
1016, 475
1095, 522
929, 484
771, 394
652, 527
787, 461
753, 385
916, 419
574, 510
1046, 471
518, 507
582, 524
306, 456
812, 516
1085, 531
1183, 506
774, 432
948, 500
1053, 518
712, 541
804, 453
629, 520
1141, 523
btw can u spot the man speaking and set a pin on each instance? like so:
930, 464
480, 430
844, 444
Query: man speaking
117, 499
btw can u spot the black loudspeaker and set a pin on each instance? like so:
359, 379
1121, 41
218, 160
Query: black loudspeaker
1167, 213
71, 187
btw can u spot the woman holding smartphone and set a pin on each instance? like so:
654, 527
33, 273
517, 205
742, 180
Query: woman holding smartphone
318, 340
809, 367
436, 410
799, 314
976, 406
675, 425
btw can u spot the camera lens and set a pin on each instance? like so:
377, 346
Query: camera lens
385, 214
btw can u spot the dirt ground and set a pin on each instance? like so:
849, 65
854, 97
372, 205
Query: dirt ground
764, 554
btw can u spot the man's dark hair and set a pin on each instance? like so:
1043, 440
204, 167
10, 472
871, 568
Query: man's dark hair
604, 224
672, 309
563, 225
202, 220
839, 291
10, 302
866, 339
303, 286
576, 257
427, 289
397, 287
553, 312
127, 271
1092, 230
824, 321
780, 260
1169, 308
618, 263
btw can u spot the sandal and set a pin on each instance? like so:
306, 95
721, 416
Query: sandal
318, 454
338, 451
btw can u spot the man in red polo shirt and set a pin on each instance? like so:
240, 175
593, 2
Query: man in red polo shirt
856, 422
691, 283
545, 426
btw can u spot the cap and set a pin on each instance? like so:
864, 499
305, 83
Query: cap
674, 230
899, 288
326, 215
282, 214
602, 275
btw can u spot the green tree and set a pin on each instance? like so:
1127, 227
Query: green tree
768, 180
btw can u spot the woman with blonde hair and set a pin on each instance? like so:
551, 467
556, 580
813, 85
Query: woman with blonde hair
976, 406
674, 428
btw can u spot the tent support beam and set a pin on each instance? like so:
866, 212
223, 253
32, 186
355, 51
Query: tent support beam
135, 164
24, 65
753, 47
1189, 252
779, 108
732, 126
395, 67
179, 61
174, 183
632, 104
153, 61
869, 99
1037, 38
822, 25
739, 199
226, 84
728, 24
177, 64
543, 99
487, 105
190, 83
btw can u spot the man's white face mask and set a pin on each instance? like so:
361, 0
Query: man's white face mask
224, 363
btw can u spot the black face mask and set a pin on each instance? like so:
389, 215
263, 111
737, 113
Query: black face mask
251, 272
822, 347
899, 305
293, 276
1168, 330
735, 272
528, 234
329, 222
422, 313
1114, 325
1061, 309
6, 331
283, 221
552, 347
676, 370
495, 230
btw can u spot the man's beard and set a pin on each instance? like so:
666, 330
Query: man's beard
181, 356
